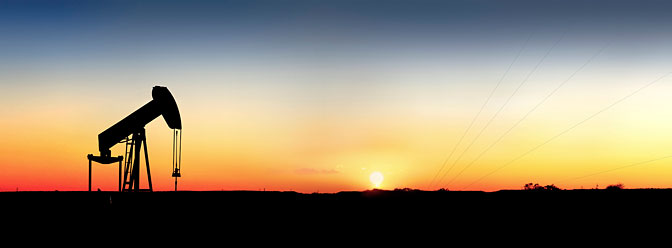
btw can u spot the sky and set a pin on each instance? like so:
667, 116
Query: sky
315, 96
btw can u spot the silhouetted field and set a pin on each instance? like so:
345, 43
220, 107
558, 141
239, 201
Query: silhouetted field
463, 208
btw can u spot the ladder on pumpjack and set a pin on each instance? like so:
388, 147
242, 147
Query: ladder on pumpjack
133, 146
128, 164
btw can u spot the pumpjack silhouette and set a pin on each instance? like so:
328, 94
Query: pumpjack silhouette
131, 132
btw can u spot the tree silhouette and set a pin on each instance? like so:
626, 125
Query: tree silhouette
532, 186
536, 186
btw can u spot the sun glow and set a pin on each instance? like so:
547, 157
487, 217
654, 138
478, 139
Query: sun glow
376, 178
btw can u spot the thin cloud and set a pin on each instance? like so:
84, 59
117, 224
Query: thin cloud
312, 171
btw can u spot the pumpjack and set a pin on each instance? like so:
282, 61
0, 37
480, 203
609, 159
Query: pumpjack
131, 132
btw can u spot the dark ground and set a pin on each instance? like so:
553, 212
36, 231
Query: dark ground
418, 216
404, 205
428, 217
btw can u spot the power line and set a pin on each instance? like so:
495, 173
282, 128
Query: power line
570, 128
481, 109
502, 107
529, 112
618, 168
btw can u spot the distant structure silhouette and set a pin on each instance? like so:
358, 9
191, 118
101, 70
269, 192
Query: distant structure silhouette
162, 104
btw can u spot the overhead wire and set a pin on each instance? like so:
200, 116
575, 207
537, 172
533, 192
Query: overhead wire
529, 112
618, 168
471, 124
534, 69
569, 129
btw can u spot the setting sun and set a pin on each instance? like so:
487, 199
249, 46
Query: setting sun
376, 178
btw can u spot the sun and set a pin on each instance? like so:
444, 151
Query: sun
376, 178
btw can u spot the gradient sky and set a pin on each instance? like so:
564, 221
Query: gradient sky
316, 95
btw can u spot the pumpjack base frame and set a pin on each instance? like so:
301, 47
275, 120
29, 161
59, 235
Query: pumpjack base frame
105, 160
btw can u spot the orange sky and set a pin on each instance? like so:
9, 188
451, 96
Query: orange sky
268, 146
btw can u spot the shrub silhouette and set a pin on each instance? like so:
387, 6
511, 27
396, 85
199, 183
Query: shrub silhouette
536, 186
405, 190
617, 186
